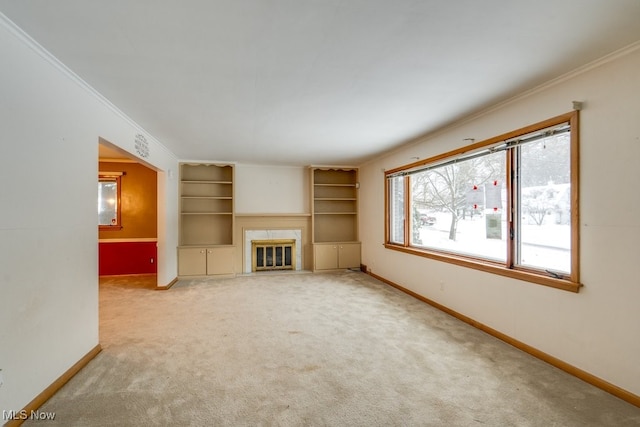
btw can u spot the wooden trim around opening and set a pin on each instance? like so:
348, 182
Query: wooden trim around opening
48, 392
508, 268
621, 393
495, 268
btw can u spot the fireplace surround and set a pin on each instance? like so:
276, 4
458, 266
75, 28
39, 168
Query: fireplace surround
266, 238
276, 254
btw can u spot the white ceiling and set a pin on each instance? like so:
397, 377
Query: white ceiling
316, 81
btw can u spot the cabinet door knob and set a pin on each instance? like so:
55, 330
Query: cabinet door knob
208, 252
202, 251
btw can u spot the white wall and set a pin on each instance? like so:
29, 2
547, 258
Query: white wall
264, 189
49, 130
598, 329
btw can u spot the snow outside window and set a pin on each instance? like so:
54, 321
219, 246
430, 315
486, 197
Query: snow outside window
505, 205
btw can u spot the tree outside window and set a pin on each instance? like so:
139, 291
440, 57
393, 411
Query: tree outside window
509, 201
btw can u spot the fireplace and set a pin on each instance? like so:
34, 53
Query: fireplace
276, 254
288, 257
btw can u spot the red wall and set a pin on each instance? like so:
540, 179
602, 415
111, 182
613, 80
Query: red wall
118, 258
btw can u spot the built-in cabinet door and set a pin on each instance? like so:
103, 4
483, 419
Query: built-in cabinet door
220, 260
205, 261
325, 256
331, 256
349, 255
192, 261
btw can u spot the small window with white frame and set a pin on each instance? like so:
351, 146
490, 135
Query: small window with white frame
109, 190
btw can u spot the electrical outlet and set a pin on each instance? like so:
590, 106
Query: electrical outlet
442, 285
1, 378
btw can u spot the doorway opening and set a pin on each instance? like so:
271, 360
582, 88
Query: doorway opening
131, 248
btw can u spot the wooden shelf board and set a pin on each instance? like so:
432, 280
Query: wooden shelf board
206, 213
186, 181
208, 197
335, 213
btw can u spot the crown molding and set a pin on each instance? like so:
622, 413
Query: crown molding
560, 79
499, 105
36, 47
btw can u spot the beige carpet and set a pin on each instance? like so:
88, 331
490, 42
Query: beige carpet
310, 350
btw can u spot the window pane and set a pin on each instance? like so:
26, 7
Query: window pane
107, 203
396, 210
287, 255
545, 204
459, 207
260, 256
269, 257
416, 221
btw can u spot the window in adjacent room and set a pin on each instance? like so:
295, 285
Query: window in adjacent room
109, 187
506, 205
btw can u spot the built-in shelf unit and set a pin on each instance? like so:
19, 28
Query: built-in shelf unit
206, 219
334, 213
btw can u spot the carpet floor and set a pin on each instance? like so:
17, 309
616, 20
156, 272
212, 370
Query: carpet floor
335, 349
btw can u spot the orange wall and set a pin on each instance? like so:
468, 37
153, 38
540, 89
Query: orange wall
139, 201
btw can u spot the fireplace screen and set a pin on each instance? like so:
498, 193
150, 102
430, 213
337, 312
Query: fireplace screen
273, 254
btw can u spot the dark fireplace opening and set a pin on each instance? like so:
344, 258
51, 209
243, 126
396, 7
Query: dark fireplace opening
273, 254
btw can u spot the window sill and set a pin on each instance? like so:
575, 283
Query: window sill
109, 227
528, 276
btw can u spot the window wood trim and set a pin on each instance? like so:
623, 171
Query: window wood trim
508, 268
489, 267
570, 117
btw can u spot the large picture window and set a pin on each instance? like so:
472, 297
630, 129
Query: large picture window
506, 205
